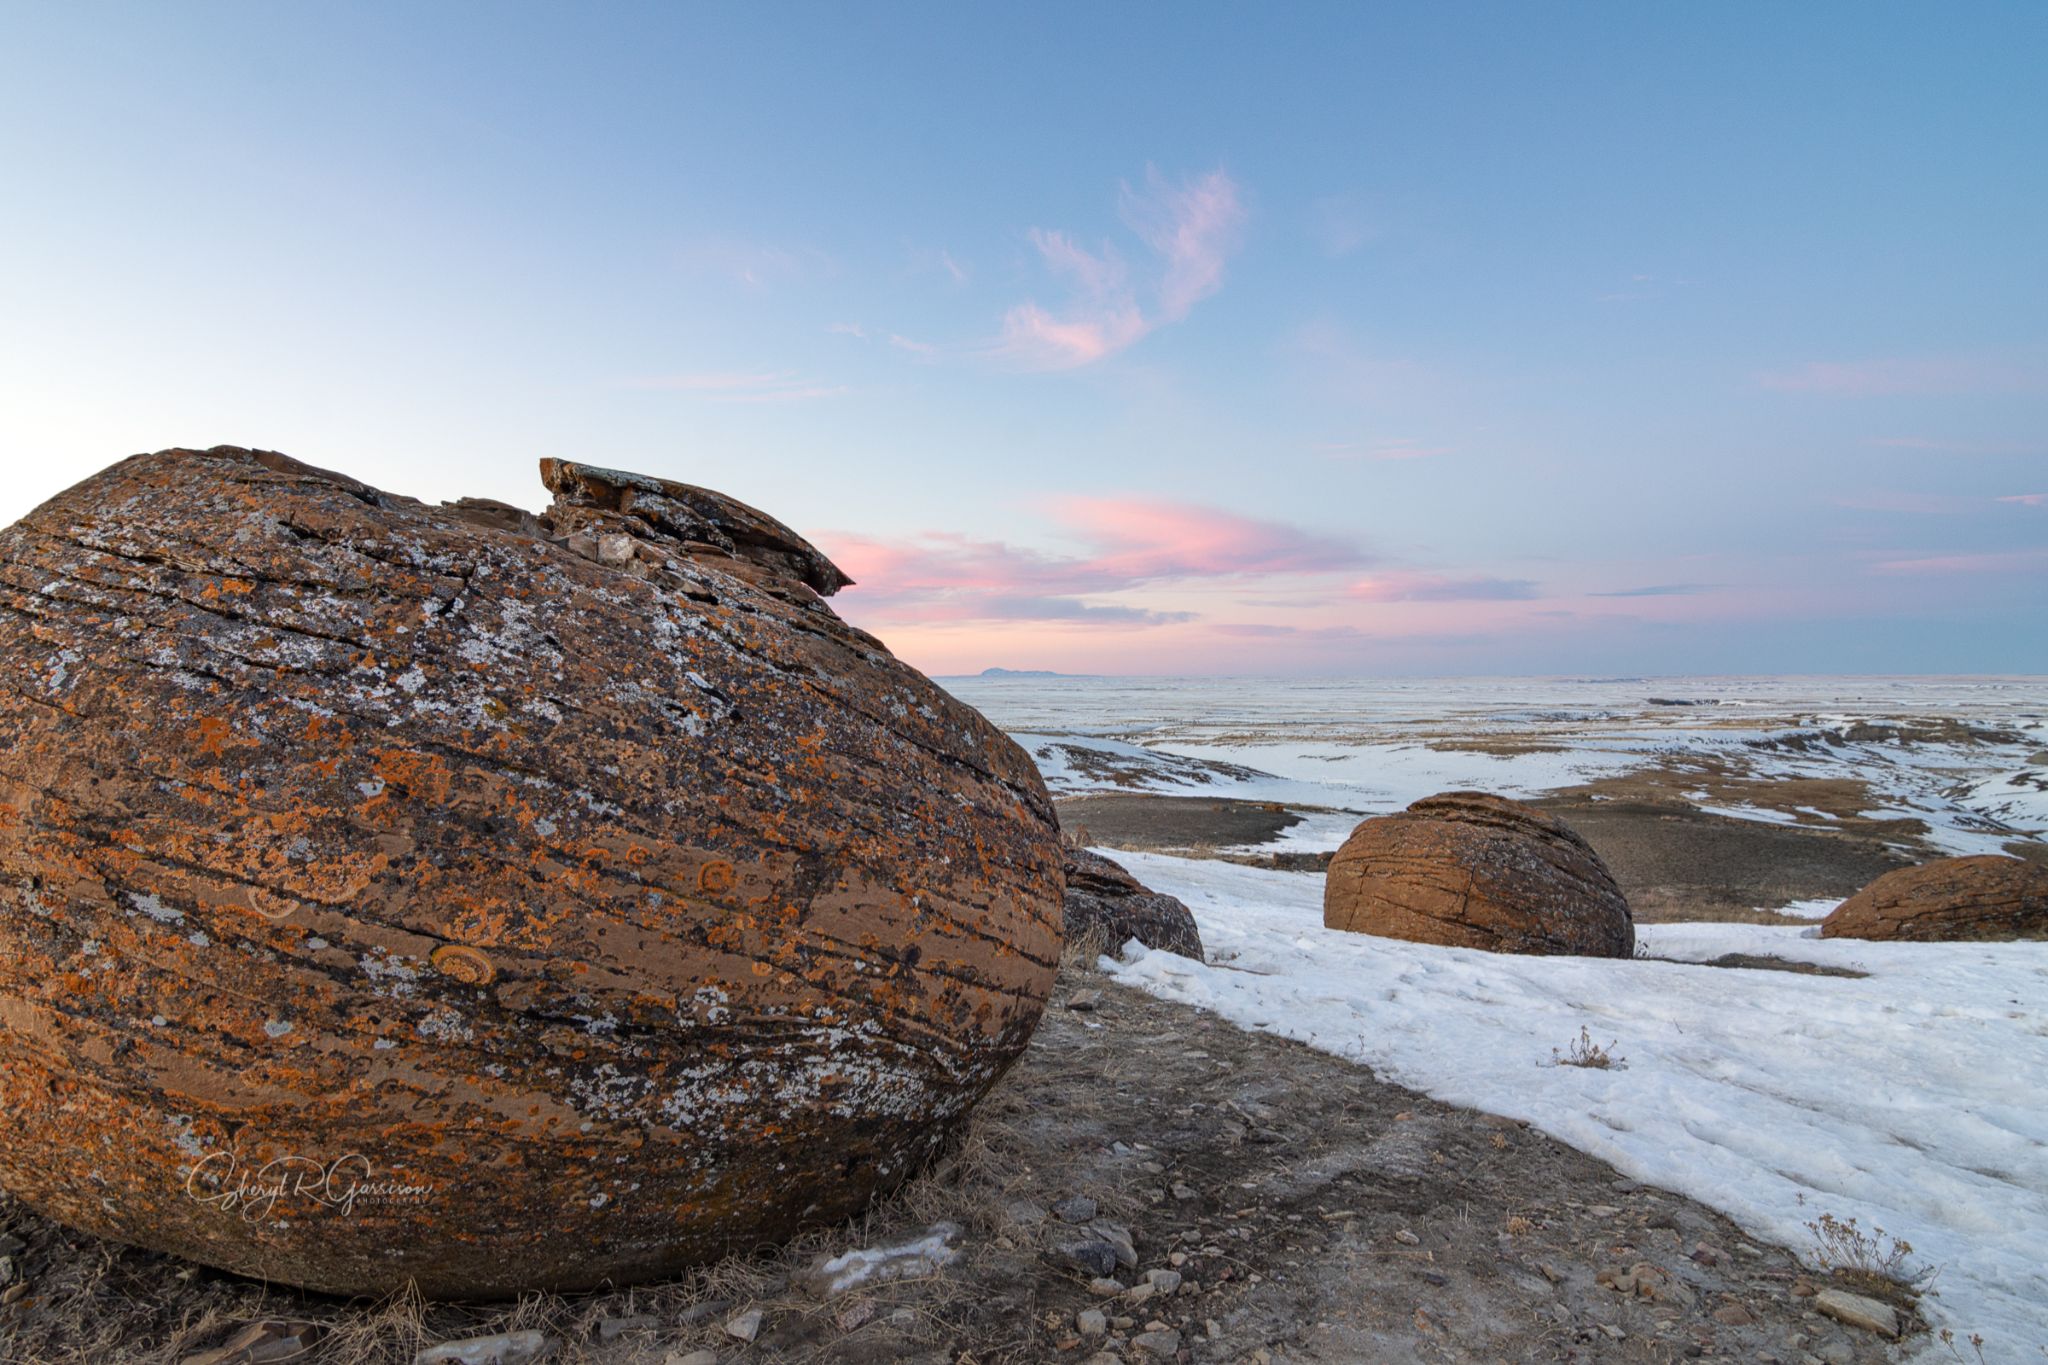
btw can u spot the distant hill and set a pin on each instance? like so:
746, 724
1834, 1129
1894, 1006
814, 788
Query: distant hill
1020, 673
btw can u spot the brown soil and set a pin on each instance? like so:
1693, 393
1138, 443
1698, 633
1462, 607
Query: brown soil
1318, 1214
1677, 863
1173, 824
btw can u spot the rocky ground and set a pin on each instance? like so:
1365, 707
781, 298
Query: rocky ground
1147, 1184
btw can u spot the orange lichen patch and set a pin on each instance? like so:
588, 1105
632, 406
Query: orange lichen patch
246, 908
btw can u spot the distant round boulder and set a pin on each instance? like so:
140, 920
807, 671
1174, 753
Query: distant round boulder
1988, 896
1470, 870
494, 901
1107, 907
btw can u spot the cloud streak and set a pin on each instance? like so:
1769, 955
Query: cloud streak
1189, 229
1915, 376
1131, 543
1415, 587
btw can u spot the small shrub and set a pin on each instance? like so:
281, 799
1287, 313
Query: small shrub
1872, 1261
1585, 1052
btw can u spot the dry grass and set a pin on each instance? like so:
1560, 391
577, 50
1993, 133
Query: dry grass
1583, 1051
1870, 1262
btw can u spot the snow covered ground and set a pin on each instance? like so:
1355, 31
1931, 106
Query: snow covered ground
1369, 746
1912, 1099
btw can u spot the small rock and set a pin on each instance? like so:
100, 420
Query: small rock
1165, 1344
260, 1342
1745, 1249
611, 1329
504, 1348
1118, 1238
1407, 1238
1733, 1315
1165, 1281
1090, 1322
1625, 1186
1105, 1286
1093, 1257
12, 1293
1181, 1191
1858, 1311
702, 1312
854, 1315
1077, 1208
1601, 1210
746, 1326
1085, 1001
1138, 1293
1803, 1288
1835, 1352
1550, 1272
1026, 1211
693, 1358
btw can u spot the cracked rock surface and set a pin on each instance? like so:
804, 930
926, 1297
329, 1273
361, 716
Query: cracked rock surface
1470, 870
1950, 900
497, 901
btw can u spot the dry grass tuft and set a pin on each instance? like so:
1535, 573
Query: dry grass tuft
1585, 1052
1871, 1262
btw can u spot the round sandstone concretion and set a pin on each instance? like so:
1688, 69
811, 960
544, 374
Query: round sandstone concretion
1949, 900
1469, 870
392, 892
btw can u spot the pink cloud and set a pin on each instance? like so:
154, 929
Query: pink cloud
1416, 587
1132, 543
2027, 499
1190, 229
1893, 377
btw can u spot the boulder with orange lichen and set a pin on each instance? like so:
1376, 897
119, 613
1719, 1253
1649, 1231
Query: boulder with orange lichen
396, 892
1984, 897
1472, 870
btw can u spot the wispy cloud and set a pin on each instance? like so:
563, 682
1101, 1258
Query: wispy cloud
731, 386
1905, 376
2011, 561
1190, 230
1658, 590
1416, 587
1131, 543
2027, 499
1397, 448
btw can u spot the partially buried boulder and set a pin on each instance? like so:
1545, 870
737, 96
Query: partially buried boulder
1950, 900
448, 894
1469, 870
1107, 907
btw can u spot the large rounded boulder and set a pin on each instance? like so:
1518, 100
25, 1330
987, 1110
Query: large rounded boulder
1949, 900
394, 892
1469, 870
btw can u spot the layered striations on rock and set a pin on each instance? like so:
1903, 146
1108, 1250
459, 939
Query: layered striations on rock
1950, 900
1471, 870
1107, 907
394, 892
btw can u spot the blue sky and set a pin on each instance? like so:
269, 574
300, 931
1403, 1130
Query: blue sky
1337, 339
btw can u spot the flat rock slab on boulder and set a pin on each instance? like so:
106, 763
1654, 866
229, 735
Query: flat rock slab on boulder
1470, 870
1989, 896
451, 894
1107, 907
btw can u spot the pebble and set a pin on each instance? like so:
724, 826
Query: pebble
1138, 1293
13, 1292
1077, 1208
1601, 1210
1093, 1257
1118, 1238
1181, 1191
1858, 1311
505, 1348
1165, 1281
1733, 1315
1158, 1343
1105, 1286
611, 1329
746, 1326
1084, 1001
1407, 1238
1090, 1322
693, 1358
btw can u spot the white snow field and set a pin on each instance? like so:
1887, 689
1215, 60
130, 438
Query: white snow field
1915, 1099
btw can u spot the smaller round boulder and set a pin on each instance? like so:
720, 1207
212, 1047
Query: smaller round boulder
1107, 907
1470, 870
1951, 900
